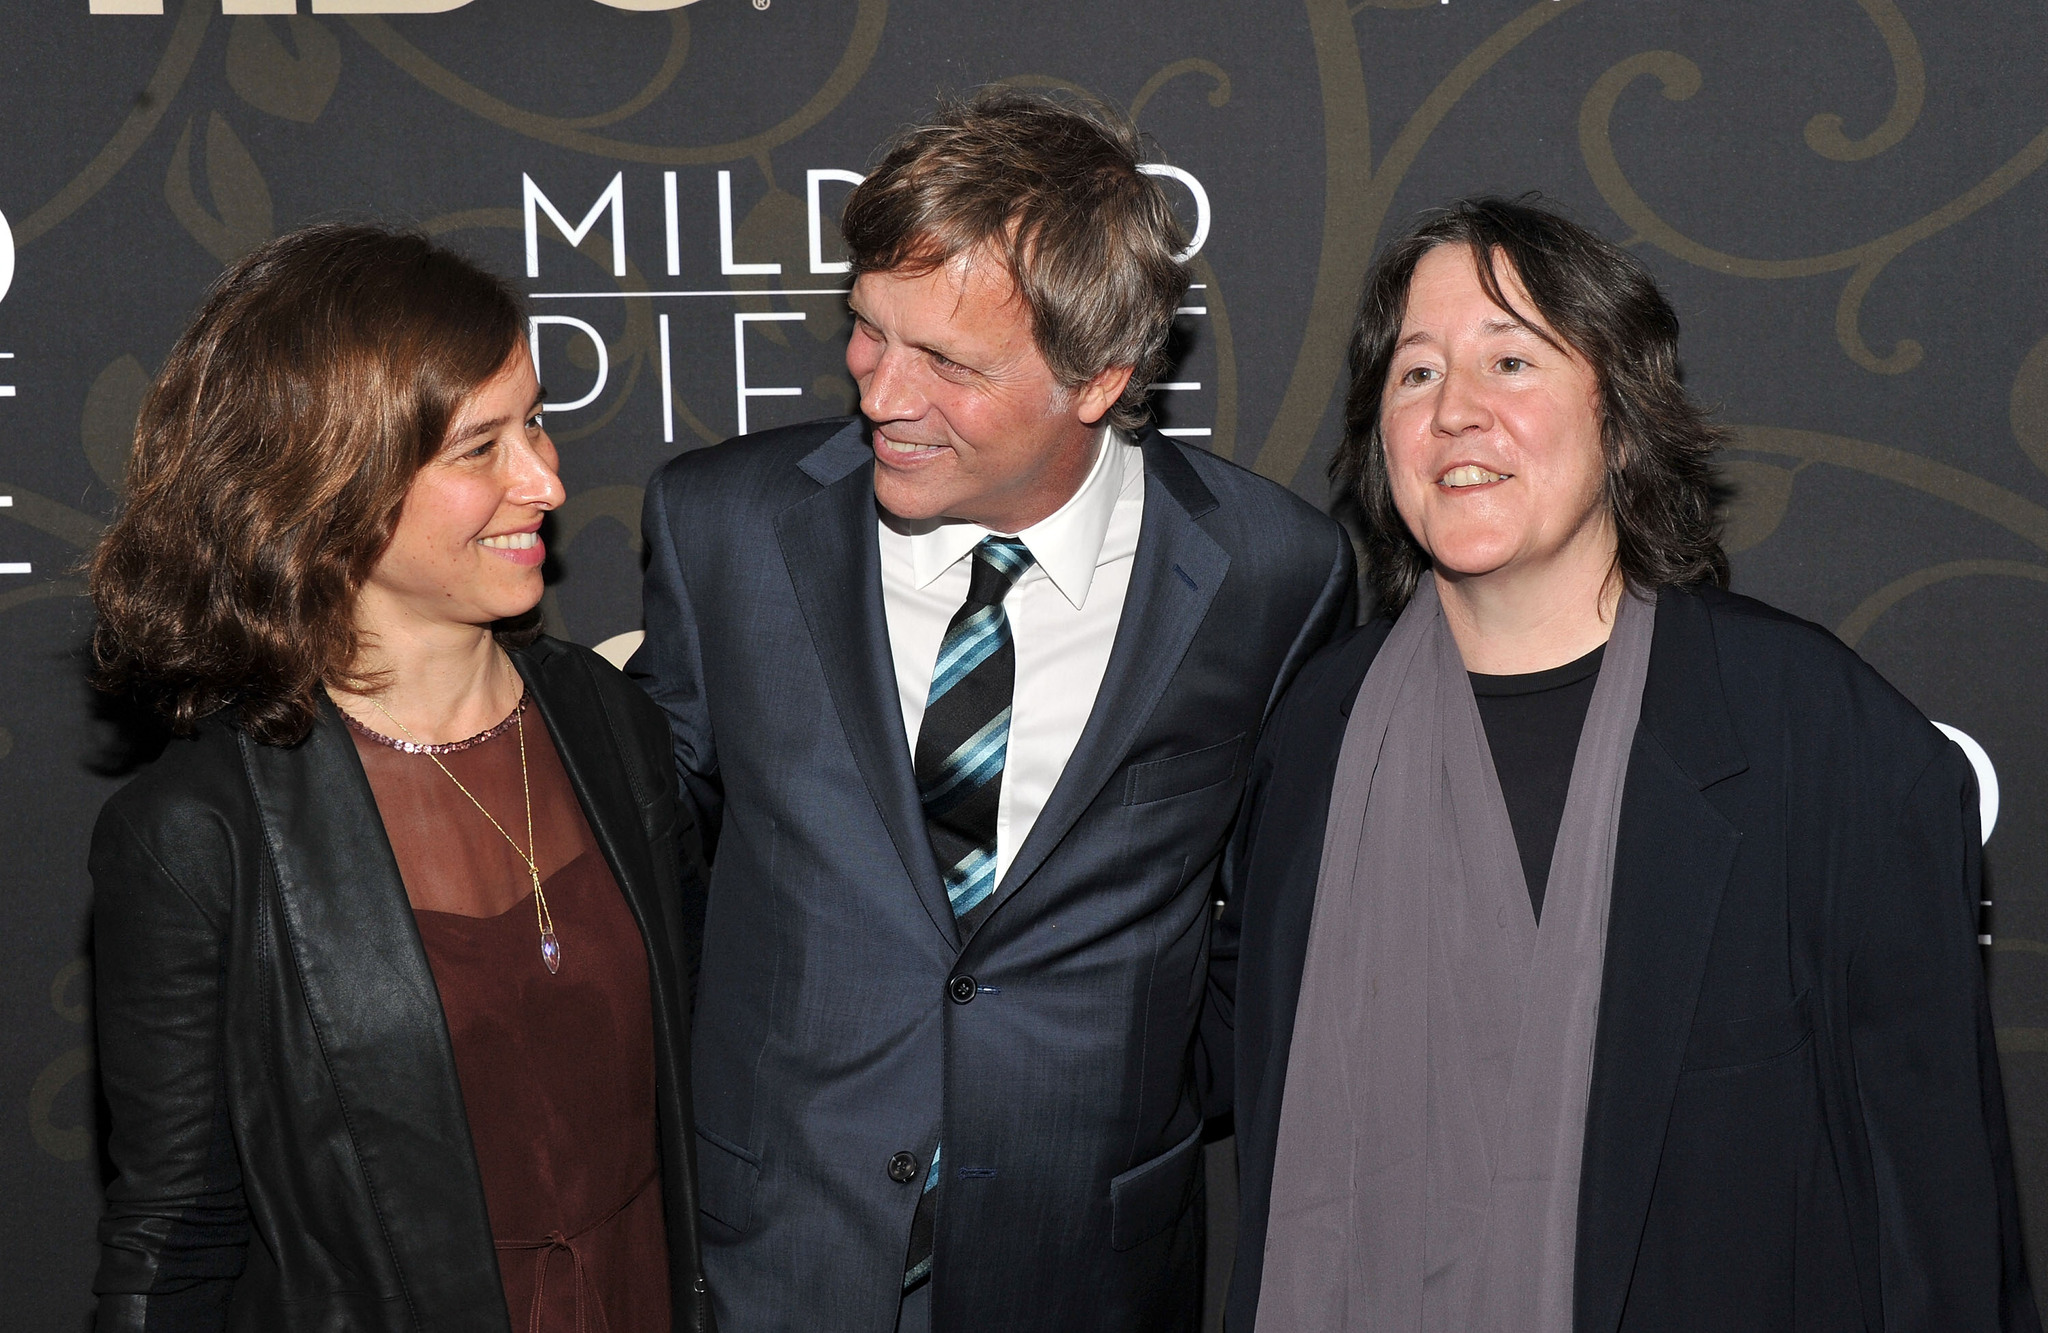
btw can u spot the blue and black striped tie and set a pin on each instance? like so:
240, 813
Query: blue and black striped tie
965, 736
961, 748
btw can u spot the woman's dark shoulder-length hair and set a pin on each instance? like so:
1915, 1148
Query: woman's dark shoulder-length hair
1659, 443
271, 459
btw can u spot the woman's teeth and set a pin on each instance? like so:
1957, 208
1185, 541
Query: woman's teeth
512, 541
1471, 475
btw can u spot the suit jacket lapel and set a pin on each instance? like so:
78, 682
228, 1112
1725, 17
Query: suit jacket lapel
1174, 576
1671, 864
830, 546
373, 1002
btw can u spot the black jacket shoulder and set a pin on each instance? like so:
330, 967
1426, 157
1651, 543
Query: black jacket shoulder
1784, 677
191, 812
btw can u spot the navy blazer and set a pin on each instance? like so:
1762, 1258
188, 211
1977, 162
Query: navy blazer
1796, 1121
826, 1041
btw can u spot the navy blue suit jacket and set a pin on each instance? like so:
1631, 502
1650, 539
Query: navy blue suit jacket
826, 1041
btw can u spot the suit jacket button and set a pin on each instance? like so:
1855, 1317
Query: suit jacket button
961, 989
903, 1168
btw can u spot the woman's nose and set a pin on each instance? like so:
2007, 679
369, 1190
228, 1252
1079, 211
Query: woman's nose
537, 482
1460, 404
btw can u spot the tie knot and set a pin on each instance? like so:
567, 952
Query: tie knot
998, 563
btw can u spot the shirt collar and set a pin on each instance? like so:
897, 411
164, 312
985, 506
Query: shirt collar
1066, 544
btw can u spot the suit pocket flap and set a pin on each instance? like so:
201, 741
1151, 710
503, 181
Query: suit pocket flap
1748, 1041
726, 1177
1151, 1196
1177, 775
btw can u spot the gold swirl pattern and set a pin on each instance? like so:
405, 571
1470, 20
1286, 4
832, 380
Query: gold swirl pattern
66, 1143
1679, 78
1824, 133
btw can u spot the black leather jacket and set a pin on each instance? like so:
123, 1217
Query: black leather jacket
287, 1128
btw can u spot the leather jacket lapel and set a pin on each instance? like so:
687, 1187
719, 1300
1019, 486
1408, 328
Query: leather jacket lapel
583, 740
833, 554
1671, 865
376, 1012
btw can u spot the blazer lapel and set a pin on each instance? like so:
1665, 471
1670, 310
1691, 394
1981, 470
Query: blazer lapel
833, 554
373, 1003
1174, 576
1671, 864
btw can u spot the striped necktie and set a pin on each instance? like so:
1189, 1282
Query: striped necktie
965, 737
961, 748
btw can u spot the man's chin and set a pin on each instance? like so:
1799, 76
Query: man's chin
915, 499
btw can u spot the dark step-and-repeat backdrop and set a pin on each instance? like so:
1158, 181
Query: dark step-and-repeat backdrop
1843, 197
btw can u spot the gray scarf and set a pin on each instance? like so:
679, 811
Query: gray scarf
1427, 1173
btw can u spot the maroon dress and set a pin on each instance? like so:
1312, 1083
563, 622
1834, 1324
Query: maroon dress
557, 1070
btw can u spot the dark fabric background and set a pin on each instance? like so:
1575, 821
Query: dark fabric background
1841, 196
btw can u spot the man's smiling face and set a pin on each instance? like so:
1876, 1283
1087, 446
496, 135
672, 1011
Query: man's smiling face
968, 420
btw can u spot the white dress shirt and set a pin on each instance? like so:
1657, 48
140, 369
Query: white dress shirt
1063, 616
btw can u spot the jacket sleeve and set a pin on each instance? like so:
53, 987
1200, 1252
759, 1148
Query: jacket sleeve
1926, 1072
670, 667
175, 1232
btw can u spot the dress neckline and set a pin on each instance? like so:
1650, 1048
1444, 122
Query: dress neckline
450, 747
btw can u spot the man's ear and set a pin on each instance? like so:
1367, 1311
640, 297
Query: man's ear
1098, 395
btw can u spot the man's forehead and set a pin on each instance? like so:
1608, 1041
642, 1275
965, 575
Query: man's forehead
967, 291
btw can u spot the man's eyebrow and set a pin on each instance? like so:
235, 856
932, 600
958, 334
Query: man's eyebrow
931, 348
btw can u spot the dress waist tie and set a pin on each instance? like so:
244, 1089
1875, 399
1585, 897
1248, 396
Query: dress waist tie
555, 1242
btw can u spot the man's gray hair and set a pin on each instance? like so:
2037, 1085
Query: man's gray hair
1054, 191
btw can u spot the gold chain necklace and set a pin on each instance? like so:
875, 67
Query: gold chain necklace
550, 950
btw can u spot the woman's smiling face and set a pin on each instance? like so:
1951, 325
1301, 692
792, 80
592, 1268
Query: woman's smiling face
1492, 426
467, 547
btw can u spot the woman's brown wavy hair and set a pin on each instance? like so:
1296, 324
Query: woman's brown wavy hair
271, 459
1606, 306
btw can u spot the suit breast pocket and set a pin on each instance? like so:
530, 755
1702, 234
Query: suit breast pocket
1177, 775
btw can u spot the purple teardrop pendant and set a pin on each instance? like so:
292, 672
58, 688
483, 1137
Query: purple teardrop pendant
550, 951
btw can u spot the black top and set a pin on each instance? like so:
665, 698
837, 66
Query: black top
1532, 726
